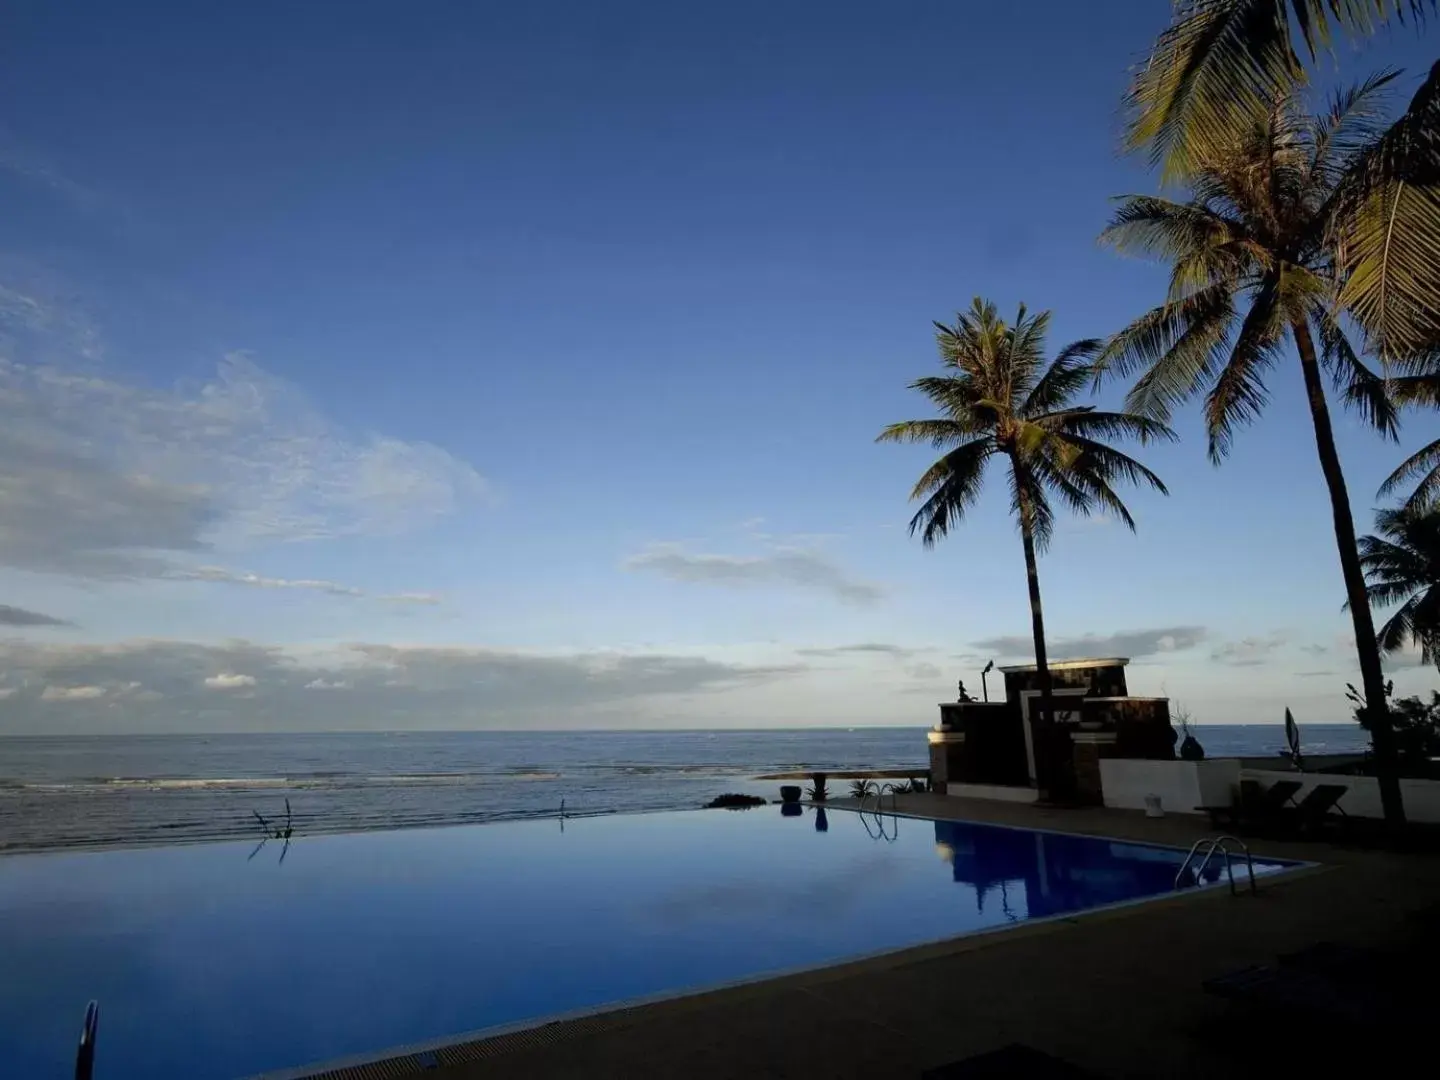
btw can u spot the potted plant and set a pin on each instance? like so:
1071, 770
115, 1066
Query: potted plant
817, 787
1190, 748
790, 793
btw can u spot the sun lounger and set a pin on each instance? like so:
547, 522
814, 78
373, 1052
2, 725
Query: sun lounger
1327, 982
1255, 805
1314, 809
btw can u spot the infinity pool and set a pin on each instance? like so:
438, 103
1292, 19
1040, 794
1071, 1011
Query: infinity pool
209, 962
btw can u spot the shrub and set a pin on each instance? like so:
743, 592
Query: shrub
733, 800
1416, 724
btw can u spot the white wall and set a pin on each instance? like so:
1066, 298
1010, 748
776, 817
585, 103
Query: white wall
1421, 797
1181, 785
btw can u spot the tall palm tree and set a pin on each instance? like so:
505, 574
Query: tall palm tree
1402, 565
1219, 67
1252, 270
998, 398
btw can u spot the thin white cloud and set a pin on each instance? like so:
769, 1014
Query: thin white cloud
791, 568
1127, 643
897, 652
229, 681
24, 161
72, 693
6, 691
422, 599
1248, 652
220, 575
103, 478
323, 684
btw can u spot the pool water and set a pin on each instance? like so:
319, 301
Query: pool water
219, 961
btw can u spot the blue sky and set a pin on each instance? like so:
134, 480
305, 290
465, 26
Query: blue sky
478, 365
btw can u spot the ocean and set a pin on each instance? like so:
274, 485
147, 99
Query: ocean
106, 791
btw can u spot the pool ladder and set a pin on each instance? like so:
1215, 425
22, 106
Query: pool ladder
879, 793
1205, 848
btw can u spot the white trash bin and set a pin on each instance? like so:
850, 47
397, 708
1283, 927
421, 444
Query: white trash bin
1153, 807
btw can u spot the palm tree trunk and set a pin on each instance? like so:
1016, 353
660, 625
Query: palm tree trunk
1042, 727
1372, 676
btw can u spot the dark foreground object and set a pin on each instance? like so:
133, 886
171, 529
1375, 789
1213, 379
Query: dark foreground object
1338, 1005
1015, 1060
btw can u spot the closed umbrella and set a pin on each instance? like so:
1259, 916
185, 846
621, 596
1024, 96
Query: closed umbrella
1292, 736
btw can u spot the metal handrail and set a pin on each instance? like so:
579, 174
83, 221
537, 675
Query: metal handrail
1211, 845
85, 1055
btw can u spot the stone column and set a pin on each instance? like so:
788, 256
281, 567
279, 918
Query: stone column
947, 758
1088, 748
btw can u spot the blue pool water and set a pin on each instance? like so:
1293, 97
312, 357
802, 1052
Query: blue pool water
210, 963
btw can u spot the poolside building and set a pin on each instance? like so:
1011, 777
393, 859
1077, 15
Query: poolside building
989, 749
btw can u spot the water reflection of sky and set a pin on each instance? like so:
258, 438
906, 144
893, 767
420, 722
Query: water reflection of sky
207, 964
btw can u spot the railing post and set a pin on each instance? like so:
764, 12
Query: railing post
85, 1055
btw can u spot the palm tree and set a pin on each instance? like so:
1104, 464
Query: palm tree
1219, 67
1402, 565
999, 399
1252, 269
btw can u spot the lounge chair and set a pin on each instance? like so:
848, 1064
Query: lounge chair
1255, 805
1314, 809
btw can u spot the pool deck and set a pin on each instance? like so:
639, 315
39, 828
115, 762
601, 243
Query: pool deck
1115, 991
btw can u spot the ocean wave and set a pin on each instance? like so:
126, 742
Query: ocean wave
302, 781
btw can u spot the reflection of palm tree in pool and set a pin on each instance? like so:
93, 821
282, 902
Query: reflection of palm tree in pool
822, 823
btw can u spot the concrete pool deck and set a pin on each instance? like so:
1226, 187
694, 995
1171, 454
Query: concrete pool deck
1114, 991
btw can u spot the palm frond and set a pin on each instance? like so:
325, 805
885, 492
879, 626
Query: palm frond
1031, 506
1151, 227
1416, 390
1110, 425
1083, 490
1239, 395
1355, 118
1178, 345
1025, 353
936, 433
1220, 63
1109, 464
1384, 223
1399, 629
1363, 391
1071, 371
1422, 466
949, 487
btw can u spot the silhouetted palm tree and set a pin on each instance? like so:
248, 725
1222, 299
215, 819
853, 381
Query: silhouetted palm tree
1402, 565
1217, 70
998, 398
1252, 270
